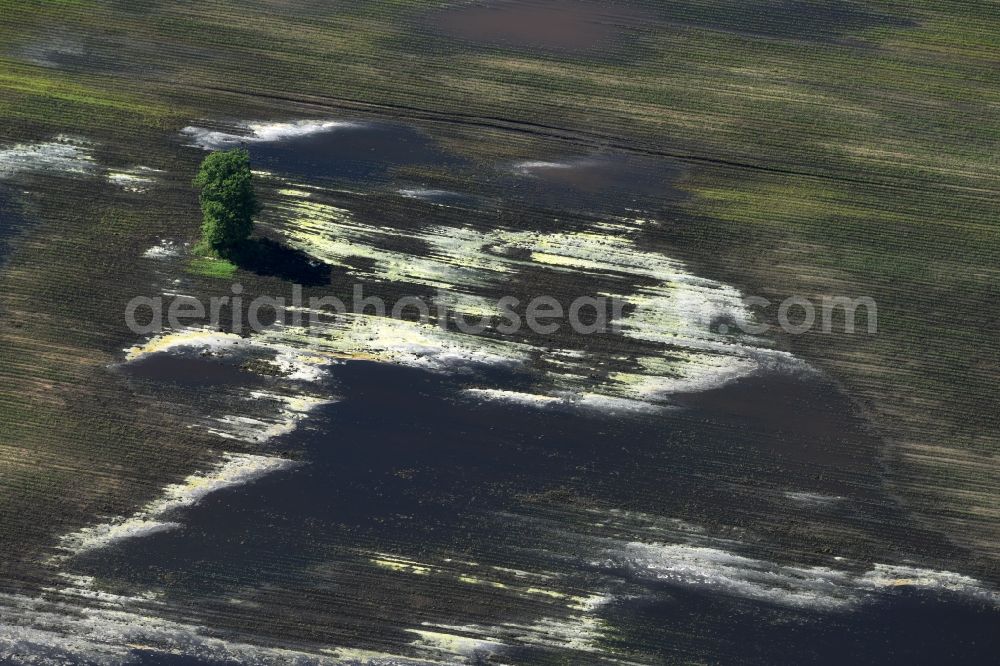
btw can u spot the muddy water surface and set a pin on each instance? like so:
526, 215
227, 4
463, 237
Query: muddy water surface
423, 509
542, 25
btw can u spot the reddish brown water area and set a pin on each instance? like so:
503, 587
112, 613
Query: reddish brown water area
558, 25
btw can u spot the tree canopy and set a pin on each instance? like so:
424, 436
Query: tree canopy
228, 200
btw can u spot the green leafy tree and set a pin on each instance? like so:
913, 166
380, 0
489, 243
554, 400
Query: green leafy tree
228, 200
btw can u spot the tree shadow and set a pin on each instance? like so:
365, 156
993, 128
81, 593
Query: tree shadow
265, 256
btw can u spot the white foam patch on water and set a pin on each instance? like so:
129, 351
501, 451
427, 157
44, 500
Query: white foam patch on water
682, 372
664, 550
63, 155
261, 132
580, 631
203, 339
165, 249
679, 309
612, 404
233, 470
249, 429
296, 366
85, 588
423, 193
136, 180
333, 235
514, 397
293, 362
814, 587
883, 576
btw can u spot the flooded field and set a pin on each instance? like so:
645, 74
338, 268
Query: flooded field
435, 485
566, 27
410, 493
553, 531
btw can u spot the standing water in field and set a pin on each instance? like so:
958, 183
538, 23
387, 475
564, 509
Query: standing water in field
557, 529
327, 150
404, 493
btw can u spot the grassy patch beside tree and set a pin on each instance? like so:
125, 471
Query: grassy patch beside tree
228, 201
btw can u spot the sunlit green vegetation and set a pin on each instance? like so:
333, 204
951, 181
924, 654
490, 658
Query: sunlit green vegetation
211, 267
